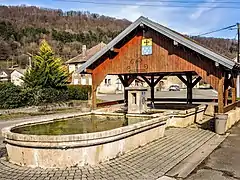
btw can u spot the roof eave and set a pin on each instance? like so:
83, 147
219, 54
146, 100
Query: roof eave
200, 49
165, 31
110, 45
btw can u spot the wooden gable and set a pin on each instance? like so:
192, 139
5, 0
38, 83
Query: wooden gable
167, 57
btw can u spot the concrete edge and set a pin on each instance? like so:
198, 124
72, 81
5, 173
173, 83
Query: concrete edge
81, 139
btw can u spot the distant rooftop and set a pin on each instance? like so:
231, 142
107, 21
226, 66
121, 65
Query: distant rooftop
7, 71
83, 57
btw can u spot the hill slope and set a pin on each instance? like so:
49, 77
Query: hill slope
22, 28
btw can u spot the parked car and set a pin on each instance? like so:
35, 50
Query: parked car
174, 87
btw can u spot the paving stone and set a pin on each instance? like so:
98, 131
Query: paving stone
166, 178
147, 162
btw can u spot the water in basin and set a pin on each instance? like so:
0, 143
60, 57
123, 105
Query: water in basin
76, 125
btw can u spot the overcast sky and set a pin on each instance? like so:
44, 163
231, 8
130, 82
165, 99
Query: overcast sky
191, 21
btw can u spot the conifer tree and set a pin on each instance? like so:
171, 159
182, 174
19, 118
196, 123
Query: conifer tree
47, 70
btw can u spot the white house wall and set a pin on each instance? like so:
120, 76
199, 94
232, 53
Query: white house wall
238, 86
71, 68
16, 78
114, 87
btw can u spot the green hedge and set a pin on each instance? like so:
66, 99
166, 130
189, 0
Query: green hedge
79, 92
37, 96
12, 96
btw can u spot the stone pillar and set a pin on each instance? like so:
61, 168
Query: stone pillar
137, 102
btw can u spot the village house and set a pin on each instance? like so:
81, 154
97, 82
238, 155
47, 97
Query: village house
111, 83
76, 62
5, 75
238, 80
12, 75
16, 76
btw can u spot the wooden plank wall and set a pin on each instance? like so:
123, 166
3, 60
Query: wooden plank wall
165, 58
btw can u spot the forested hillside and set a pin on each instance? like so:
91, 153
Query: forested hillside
226, 47
22, 28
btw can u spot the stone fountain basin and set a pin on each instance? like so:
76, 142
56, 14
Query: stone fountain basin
51, 151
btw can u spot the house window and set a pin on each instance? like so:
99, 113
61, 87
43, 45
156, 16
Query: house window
107, 82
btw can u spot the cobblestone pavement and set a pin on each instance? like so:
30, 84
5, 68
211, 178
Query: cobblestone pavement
148, 162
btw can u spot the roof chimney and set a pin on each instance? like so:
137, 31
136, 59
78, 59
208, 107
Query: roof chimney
84, 50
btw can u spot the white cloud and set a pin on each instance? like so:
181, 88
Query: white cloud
209, 4
130, 12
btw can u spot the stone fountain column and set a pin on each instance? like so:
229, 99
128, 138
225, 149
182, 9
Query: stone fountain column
137, 100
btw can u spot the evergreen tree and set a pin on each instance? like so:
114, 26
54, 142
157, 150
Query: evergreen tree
47, 70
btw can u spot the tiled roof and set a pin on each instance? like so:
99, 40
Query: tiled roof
7, 71
89, 53
22, 71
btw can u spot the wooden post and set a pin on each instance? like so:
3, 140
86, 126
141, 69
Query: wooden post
189, 88
152, 89
220, 95
125, 91
234, 92
94, 97
226, 85
225, 96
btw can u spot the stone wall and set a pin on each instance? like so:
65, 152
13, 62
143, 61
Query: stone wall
79, 149
186, 117
233, 117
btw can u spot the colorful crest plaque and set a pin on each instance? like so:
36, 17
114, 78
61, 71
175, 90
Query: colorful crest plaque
146, 46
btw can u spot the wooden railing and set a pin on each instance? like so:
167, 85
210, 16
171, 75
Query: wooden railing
109, 103
182, 100
231, 106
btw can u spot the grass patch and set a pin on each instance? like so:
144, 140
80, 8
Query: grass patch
12, 116
99, 101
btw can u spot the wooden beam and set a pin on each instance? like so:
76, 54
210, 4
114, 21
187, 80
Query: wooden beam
131, 79
220, 95
122, 80
152, 79
125, 91
89, 71
152, 88
127, 80
225, 96
196, 81
234, 90
146, 80
189, 88
226, 85
116, 50
229, 107
182, 79
158, 79
94, 97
